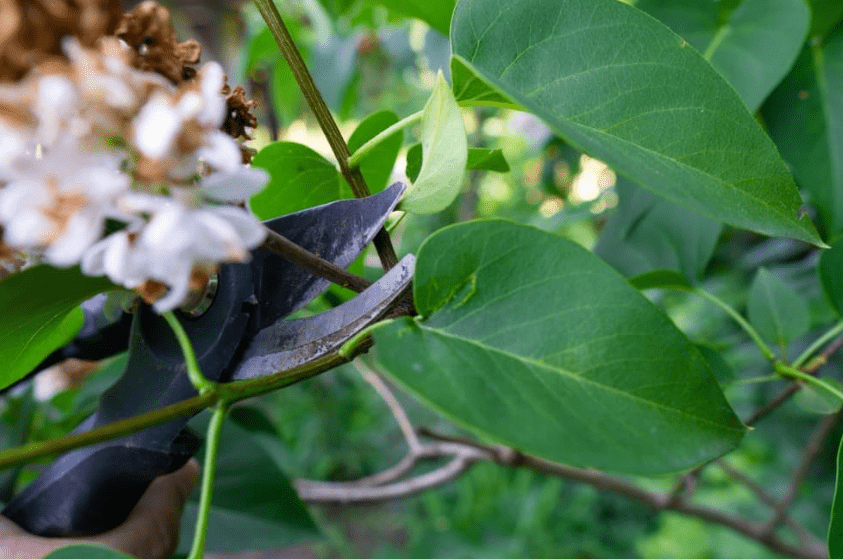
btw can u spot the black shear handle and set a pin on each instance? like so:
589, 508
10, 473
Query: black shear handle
91, 495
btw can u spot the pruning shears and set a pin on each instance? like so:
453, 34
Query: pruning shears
241, 331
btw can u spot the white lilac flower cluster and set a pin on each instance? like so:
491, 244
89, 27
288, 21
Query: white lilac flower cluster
124, 173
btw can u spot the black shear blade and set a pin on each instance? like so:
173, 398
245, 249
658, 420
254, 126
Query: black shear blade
337, 232
290, 343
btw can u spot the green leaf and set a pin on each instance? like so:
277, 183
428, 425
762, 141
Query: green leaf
831, 274
254, 506
637, 98
776, 310
471, 89
40, 314
753, 48
660, 279
86, 551
483, 159
534, 342
805, 118
814, 399
414, 162
825, 14
436, 13
300, 178
723, 372
478, 159
647, 233
835, 526
377, 165
444, 150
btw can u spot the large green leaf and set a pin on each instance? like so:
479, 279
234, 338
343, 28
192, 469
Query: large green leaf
777, 311
623, 87
377, 165
444, 152
479, 159
254, 506
534, 342
299, 178
40, 313
753, 47
805, 118
648, 233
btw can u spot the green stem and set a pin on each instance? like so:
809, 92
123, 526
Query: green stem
791, 372
354, 158
194, 373
747, 327
208, 474
814, 347
326, 121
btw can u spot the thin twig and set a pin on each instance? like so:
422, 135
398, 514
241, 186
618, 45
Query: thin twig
286, 248
803, 534
466, 453
355, 179
812, 449
376, 382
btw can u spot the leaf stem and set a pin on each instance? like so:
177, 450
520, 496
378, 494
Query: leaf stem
229, 392
326, 121
208, 473
194, 373
791, 372
814, 347
354, 158
747, 327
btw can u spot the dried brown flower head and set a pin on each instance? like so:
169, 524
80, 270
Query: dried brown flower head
149, 30
31, 31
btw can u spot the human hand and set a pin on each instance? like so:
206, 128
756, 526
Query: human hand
150, 532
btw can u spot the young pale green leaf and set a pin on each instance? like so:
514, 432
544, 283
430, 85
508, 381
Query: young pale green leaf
835, 526
805, 118
40, 314
444, 154
647, 233
377, 165
479, 159
254, 505
831, 274
753, 48
776, 310
86, 551
534, 342
624, 88
300, 178
814, 399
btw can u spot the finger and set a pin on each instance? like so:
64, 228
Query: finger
152, 529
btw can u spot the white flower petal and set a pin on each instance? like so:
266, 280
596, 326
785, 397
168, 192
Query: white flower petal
156, 127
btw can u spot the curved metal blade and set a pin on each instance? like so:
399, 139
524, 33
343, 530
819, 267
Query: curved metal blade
288, 344
337, 232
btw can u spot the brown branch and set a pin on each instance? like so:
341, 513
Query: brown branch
320, 110
286, 248
812, 449
466, 453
